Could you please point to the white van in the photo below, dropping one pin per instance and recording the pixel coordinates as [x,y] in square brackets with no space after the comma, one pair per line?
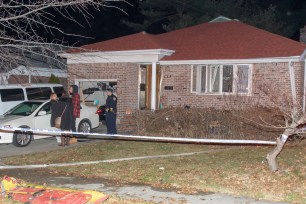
[13,94]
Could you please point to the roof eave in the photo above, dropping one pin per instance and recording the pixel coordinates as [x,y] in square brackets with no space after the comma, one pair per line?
[165,52]
[147,55]
[233,61]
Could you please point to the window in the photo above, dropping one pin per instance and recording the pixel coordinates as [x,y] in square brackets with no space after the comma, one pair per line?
[213,73]
[227,78]
[221,79]
[46,108]
[12,95]
[24,109]
[38,93]
[242,78]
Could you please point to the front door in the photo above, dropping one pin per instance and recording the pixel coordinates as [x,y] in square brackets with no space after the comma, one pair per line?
[146,85]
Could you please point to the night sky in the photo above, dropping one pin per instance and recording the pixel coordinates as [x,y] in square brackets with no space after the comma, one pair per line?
[107,23]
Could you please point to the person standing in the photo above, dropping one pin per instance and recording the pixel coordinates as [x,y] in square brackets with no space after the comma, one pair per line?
[111,110]
[68,117]
[61,108]
[76,107]
[55,112]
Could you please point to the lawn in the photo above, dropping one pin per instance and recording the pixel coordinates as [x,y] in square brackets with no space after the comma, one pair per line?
[233,170]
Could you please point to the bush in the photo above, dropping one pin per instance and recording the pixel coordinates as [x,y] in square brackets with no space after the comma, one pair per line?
[210,123]
[54,79]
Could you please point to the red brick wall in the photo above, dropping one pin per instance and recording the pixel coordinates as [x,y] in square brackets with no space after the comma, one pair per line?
[179,76]
[125,73]
[278,74]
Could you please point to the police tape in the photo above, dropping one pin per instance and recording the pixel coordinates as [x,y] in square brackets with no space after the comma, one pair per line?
[55,133]
[36,166]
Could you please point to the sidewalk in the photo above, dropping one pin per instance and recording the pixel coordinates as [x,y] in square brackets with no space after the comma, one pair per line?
[149,194]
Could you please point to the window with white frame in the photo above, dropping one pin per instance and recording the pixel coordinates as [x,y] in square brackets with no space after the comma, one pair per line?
[221,78]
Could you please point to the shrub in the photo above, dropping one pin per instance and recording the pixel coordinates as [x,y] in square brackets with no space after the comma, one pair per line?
[54,79]
[210,123]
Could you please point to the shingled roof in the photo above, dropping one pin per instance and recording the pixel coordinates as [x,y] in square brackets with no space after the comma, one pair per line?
[214,40]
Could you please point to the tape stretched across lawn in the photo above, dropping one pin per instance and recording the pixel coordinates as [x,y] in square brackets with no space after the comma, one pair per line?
[36,166]
[137,137]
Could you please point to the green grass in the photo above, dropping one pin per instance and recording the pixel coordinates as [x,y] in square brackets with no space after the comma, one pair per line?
[105,150]
[238,171]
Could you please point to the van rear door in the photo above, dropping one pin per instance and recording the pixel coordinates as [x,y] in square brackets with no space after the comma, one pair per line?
[9,98]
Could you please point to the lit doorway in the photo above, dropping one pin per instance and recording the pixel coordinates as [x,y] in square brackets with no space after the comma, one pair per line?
[146,85]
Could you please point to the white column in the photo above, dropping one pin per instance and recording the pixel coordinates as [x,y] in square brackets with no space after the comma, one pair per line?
[153,87]
[292,82]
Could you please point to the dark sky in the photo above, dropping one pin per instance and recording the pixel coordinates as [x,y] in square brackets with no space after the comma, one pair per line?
[104,24]
[107,23]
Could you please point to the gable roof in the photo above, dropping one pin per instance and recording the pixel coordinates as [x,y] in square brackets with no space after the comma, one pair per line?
[221,19]
[207,41]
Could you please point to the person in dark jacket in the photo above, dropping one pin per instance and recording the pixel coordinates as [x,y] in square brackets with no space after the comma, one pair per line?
[111,111]
[54,114]
[67,117]
[76,107]
[61,108]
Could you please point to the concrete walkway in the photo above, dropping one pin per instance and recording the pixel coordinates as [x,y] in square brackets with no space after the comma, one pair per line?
[150,194]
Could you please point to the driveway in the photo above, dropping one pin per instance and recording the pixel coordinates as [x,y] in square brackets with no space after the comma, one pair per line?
[42,145]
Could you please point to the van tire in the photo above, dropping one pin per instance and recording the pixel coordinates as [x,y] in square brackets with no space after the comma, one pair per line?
[22,138]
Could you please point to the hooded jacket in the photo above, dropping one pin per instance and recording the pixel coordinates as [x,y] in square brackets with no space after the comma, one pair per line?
[75,89]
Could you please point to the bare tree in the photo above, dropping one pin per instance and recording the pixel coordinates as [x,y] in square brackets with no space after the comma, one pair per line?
[293,118]
[21,24]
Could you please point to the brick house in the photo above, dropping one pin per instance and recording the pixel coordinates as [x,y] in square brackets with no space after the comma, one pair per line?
[194,66]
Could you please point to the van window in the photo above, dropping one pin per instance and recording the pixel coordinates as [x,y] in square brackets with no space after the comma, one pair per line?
[58,90]
[39,93]
[12,95]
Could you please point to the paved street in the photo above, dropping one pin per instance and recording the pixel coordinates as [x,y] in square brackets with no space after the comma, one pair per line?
[42,145]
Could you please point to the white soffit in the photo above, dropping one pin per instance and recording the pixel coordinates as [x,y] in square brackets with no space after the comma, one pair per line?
[232,61]
[135,56]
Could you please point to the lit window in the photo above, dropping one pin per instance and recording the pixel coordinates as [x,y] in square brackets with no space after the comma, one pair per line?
[221,78]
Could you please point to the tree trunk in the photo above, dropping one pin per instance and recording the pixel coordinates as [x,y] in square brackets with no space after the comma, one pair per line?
[271,156]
